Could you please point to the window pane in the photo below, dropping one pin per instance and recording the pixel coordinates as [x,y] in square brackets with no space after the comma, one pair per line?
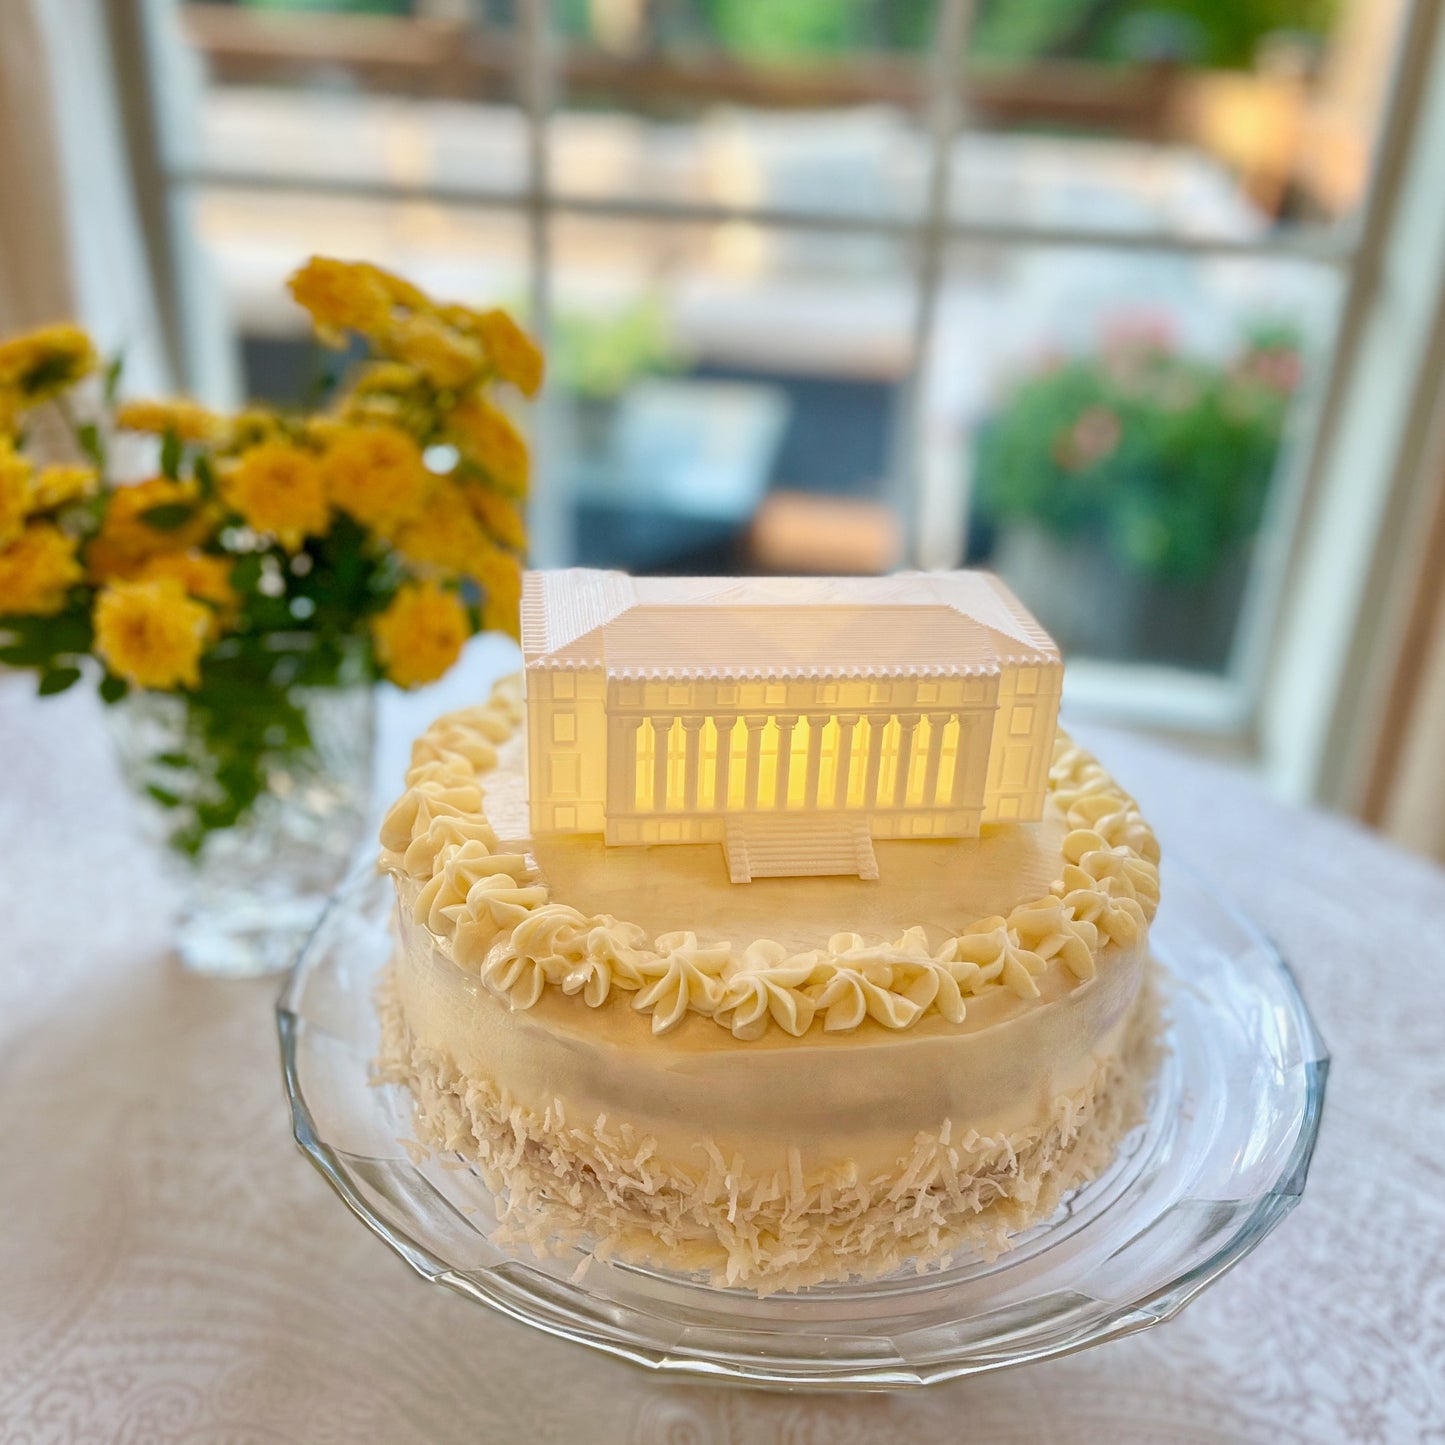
[1123,427]
[381,93]
[808,105]
[724,397]
[1222,119]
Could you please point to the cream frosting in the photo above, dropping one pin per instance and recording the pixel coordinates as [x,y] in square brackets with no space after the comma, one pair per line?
[774,1167]
[497,918]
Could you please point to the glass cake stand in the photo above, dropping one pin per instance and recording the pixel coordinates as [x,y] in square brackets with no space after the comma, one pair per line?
[1221,1159]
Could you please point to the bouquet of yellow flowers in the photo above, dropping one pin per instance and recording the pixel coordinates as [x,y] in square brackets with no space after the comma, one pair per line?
[270,551]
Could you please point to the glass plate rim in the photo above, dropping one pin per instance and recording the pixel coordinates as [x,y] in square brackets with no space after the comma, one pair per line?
[1150,1308]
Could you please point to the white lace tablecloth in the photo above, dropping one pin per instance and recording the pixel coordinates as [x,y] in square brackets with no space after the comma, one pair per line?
[172,1269]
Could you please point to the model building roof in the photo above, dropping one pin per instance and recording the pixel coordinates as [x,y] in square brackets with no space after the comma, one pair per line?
[914,623]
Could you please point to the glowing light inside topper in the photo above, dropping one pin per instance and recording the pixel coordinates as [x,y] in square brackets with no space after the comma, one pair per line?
[792,720]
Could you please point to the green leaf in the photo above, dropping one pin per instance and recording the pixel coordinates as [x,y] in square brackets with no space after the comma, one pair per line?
[173,760]
[168,516]
[112,377]
[57,679]
[171,451]
[163,797]
[88,435]
[112,688]
[247,572]
[205,475]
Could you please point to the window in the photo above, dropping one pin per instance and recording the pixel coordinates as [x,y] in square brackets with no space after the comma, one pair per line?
[1061,293]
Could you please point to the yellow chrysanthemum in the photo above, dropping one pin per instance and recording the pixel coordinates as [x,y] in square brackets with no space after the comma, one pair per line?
[203,576]
[398,289]
[385,378]
[125,540]
[485,434]
[420,635]
[376,475]
[513,354]
[17,491]
[447,358]
[373,408]
[150,633]
[187,420]
[36,571]
[341,295]
[500,574]
[278,489]
[59,485]
[43,363]
[498,514]
[445,534]
[249,428]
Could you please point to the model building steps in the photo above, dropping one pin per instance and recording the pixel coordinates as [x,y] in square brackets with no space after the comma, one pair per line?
[762,847]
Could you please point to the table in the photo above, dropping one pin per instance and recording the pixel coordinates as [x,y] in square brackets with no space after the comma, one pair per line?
[172,1269]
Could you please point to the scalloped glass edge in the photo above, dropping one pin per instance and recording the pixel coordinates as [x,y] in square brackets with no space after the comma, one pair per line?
[675,1333]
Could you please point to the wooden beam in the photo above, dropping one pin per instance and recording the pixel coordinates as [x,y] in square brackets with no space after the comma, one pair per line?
[442,58]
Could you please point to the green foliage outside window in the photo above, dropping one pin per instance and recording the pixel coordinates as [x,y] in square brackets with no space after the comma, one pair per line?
[1009,32]
[1163,459]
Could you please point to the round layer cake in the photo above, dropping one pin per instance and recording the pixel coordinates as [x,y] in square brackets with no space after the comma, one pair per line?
[776,1084]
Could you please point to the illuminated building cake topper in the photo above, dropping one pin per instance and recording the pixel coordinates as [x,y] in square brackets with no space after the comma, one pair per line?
[792,720]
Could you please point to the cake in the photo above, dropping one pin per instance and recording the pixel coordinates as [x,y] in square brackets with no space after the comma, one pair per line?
[769,931]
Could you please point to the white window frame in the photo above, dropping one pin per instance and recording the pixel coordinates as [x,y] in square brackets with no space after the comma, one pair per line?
[1284,669]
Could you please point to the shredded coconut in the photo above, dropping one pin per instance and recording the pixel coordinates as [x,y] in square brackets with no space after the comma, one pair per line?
[560,1185]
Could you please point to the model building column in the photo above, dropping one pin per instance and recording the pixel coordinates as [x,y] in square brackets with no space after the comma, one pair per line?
[937,721]
[961,762]
[661,733]
[724,727]
[691,727]
[785,759]
[877,724]
[755,726]
[815,761]
[846,723]
[907,725]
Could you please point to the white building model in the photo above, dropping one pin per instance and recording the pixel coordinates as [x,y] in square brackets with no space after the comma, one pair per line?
[792,720]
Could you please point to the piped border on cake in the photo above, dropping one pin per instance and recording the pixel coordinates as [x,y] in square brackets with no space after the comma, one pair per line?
[501,924]
[564,1184]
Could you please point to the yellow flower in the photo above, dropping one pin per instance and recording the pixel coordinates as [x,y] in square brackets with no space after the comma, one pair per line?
[36,571]
[249,427]
[485,433]
[369,408]
[44,362]
[513,354]
[376,475]
[202,575]
[277,488]
[342,295]
[447,358]
[17,491]
[187,420]
[58,485]
[385,378]
[398,290]
[499,515]
[445,534]
[150,633]
[125,540]
[420,635]
[500,574]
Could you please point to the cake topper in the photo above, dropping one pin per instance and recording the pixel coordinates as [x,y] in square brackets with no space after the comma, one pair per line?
[792,720]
